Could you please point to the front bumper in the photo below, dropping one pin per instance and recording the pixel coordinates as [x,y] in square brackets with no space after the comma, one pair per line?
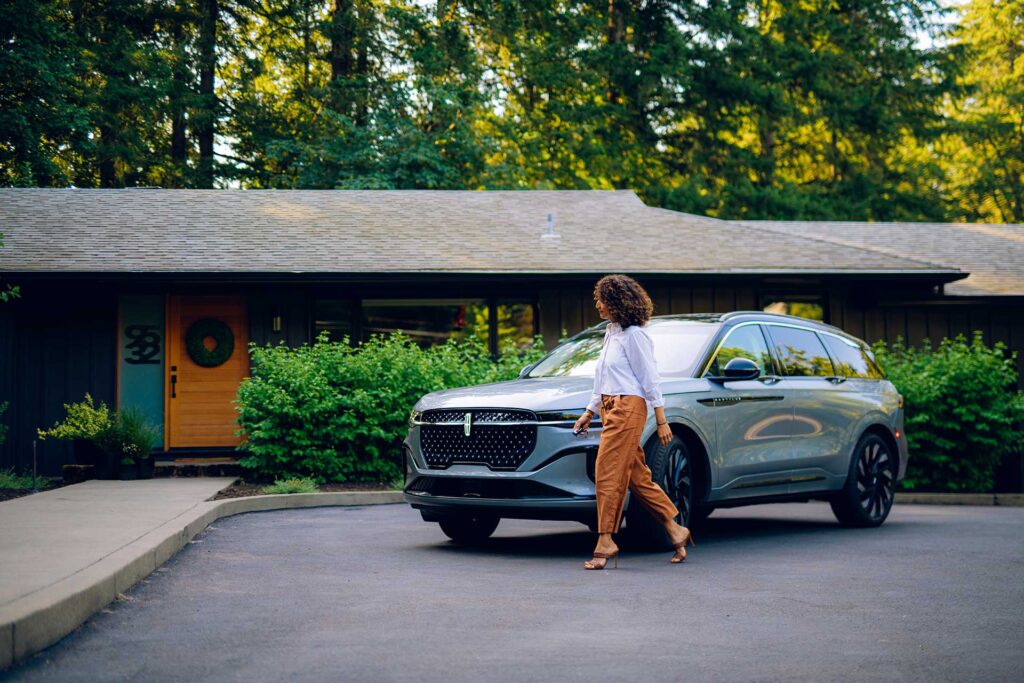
[554,482]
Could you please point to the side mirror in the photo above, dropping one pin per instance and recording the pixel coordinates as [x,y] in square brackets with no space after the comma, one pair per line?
[738,369]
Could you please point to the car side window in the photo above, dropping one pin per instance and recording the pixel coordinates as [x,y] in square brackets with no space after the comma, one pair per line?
[852,359]
[801,352]
[743,342]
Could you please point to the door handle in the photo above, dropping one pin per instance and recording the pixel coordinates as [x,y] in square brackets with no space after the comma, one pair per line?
[835,379]
[174,384]
[768,379]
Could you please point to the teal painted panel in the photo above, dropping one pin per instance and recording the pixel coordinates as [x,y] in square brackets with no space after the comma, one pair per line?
[141,354]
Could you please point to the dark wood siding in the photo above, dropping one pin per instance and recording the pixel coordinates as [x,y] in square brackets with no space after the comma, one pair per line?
[56,345]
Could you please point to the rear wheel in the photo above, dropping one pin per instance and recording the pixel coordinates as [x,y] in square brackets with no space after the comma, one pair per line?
[469,529]
[673,469]
[866,499]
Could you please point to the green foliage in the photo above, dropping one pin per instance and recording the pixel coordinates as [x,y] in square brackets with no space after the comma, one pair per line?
[294,485]
[963,410]
[128,435]
[84,420]
[125,433]
[9,479]
[337,413]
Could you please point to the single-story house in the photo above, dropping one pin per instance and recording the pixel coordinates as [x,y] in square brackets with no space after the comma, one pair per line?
[113,281]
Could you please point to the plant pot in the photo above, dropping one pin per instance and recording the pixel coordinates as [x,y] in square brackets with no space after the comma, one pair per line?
[86,452]
[127,472]
[145,468]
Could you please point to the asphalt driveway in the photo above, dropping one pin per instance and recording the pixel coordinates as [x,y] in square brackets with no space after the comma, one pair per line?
[374,594]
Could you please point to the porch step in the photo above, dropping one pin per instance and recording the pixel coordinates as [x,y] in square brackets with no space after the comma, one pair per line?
[198,467]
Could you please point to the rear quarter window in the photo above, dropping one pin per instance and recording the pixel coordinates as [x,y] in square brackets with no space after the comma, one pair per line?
[801,352]
[852,359]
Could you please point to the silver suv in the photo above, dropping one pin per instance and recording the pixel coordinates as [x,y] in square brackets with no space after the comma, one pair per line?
[763,407]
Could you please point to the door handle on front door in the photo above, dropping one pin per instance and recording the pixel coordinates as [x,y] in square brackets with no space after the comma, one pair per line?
[174,381]
[835,379]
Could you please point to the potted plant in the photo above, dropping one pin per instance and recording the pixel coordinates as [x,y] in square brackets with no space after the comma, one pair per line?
[83,423]
[129,439]
[117,444]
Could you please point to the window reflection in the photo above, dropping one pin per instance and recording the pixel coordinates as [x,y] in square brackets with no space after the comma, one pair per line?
[427,322]
[515,325]
[743,342]
[853,359]
[801,352]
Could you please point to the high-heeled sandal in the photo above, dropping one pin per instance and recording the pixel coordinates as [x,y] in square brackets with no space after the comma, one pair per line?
[681,546]
[589,564]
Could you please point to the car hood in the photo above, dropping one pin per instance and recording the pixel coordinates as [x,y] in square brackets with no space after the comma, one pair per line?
[538,393]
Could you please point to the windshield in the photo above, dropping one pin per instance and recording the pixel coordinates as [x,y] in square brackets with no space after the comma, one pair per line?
[677,349]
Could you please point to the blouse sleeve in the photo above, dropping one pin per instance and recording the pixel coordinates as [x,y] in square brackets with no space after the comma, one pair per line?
[640,354]
[595,398]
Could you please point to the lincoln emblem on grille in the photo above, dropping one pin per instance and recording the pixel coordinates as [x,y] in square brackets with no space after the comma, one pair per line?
[467,424]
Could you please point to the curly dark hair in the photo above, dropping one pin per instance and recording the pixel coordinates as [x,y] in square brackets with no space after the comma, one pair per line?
[627,302]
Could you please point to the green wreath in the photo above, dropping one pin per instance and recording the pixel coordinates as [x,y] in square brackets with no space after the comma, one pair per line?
[221,333]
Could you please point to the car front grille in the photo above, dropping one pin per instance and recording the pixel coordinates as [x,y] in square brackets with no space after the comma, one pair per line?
[492,440]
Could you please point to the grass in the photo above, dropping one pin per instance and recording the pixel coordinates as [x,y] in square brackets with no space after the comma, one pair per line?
[9,479]
[291,486]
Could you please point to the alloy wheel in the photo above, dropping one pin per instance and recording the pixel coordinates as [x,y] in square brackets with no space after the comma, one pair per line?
[679,483]
[875,479]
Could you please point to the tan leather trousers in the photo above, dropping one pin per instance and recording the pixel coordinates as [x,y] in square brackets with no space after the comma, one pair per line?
[620,463]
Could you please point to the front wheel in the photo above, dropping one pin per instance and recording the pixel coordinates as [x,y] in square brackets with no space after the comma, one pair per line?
[674,470]
[469,529]
[867,497]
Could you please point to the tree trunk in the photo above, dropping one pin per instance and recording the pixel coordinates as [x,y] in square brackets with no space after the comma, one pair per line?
[205,125]
[342,32]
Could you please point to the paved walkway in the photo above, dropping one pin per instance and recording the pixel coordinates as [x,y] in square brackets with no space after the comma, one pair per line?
[56,545]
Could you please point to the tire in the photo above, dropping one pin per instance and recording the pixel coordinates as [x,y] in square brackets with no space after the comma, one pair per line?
[469,529]
[867,496]
[674,470]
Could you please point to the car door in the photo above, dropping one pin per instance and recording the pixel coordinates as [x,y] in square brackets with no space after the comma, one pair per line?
[752,419]
[822,408]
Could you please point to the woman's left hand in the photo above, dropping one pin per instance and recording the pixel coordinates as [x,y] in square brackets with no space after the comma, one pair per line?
[664,434]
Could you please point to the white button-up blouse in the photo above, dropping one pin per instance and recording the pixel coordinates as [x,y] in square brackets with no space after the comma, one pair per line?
[626,366]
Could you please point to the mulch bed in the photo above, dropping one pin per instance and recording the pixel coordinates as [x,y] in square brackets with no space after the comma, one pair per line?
[244,490]
[10,494]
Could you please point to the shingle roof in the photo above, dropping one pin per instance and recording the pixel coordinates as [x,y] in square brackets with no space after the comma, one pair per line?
[334,231]
[993,254]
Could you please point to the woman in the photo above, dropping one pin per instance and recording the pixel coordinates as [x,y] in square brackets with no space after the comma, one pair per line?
[625,383]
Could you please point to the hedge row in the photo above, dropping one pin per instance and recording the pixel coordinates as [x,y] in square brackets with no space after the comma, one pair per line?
[335,413]
[963,411]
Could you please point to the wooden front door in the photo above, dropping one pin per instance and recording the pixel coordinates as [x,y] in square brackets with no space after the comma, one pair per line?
[200,412]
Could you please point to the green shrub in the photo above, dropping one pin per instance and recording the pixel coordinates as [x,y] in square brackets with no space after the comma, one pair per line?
[337,413]
[9,479]
[962,410]
[125,434]
[128,435]
[304,485]
[84,420]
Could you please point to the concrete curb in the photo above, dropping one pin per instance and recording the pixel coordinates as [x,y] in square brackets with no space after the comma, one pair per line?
[1004,499]
[39,620]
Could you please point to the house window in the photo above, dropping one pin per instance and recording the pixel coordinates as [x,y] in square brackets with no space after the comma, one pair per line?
[810,307]
[497,323]
[427,321]
[334,316]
